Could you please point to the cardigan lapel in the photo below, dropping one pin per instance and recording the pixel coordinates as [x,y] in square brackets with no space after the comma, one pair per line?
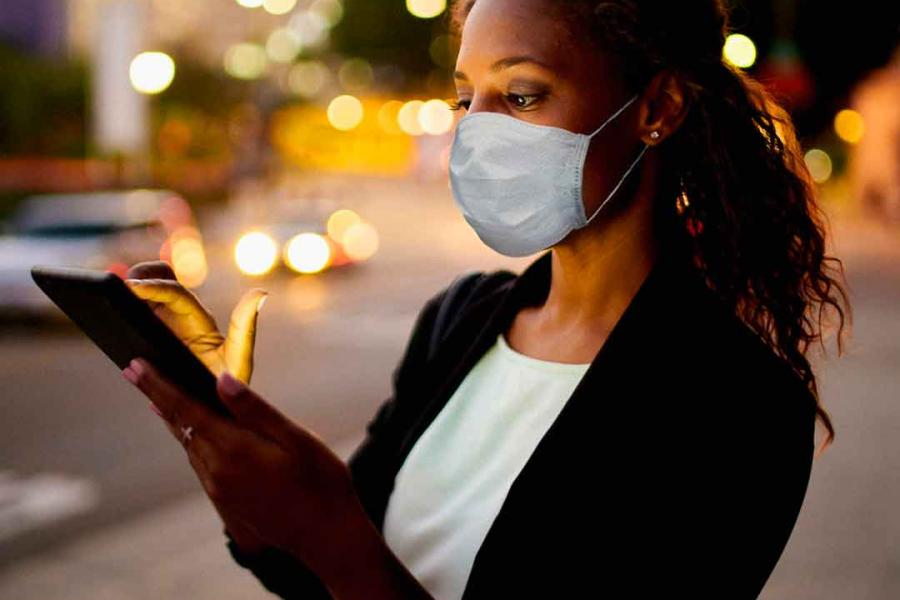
[484,319]
[579,456]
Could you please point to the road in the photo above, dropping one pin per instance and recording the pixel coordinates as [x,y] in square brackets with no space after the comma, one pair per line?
[326,347]
[87,443]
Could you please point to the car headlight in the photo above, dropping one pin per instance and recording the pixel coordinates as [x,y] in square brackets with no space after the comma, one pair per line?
[256,253]
[307,253]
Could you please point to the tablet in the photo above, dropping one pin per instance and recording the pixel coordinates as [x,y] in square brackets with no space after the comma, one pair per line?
[125,327]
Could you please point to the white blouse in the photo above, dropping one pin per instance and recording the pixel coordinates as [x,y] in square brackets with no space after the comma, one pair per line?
[456,476]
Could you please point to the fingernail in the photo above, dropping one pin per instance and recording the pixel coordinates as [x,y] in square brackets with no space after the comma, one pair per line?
[262,301]
[137,367]
[230,385]
[155,409]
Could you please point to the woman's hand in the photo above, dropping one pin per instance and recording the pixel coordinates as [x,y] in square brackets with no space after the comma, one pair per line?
[182,311]
[262,471]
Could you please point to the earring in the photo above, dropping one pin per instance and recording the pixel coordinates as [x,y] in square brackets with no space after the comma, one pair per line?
[654,135]
[692,222]
[682,202]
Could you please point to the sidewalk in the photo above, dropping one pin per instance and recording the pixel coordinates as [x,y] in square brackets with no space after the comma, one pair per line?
[176,552]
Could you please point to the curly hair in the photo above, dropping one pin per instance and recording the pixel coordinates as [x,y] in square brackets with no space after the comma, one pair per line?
[736,196]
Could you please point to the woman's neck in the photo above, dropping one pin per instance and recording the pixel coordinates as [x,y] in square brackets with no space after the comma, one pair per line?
[597,270]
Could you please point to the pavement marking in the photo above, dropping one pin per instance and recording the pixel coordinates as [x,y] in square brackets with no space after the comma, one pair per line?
[31,502]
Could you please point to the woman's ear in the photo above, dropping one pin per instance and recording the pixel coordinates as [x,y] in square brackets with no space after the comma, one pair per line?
[665,108]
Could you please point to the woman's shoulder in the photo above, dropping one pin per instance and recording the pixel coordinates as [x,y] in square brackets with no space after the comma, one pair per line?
[738,363]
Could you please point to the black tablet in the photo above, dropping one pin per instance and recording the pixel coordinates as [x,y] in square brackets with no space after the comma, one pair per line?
[125,327]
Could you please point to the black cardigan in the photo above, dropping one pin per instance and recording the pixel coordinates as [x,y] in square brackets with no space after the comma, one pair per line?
[677,467]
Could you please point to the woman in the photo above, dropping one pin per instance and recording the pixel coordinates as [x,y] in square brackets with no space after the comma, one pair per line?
[634,411]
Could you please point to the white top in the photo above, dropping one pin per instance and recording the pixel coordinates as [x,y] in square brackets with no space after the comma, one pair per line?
[456,476]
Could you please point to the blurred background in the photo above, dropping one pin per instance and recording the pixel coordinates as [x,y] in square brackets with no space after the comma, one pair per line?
[302,146]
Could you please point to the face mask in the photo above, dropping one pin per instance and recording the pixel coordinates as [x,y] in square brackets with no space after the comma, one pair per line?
[519,184]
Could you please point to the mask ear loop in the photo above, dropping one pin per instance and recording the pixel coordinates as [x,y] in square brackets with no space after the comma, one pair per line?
[618,185]
[625,176]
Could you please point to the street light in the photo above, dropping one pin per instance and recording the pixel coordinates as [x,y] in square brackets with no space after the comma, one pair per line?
[151,72]
[426,9]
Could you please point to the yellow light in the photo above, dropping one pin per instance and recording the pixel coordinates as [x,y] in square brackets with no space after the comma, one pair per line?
[250,3]
[355,75]
[330,11]
[245,61]
[388,116]
[339,222]
[435,117]
[308,78]
[819,164]
[408,117]
[739,50]
[307,253]
[312,27]
[151,72]
[279,7]
[188,257]
[255,253]
[849,126]
[345,112]
[360,241]
[283,45]
[426,9]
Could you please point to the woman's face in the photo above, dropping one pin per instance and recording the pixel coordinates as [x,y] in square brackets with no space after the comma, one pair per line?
[518,58]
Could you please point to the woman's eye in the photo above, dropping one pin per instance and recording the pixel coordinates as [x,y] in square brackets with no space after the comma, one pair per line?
[458,104]
[522,100]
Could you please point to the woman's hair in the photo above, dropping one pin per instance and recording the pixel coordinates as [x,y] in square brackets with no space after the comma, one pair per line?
[737,199]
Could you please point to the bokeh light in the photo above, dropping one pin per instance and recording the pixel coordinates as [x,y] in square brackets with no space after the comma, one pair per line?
[355,75]
[279,7]
[388,116]
[256,253]
[849,126]
[246,61]
[345,112]
[739,50]
[308,78]
[435,117]
[188,257]
[443,51]
[339,222]
[151,72]
[283,45]
[330,11]
[408,117]
[250,3]
[311,26]
[360,241]
[426,9]
[819,164]
[307,253]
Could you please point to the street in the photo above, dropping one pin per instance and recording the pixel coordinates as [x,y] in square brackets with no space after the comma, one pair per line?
[326,347]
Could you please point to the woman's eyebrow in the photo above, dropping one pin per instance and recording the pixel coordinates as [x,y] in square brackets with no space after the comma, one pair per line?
[505,63]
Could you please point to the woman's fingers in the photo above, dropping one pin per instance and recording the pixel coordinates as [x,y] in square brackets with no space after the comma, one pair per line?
[194,458]
[180,410]
[193,319]
[241,337]
[151,269]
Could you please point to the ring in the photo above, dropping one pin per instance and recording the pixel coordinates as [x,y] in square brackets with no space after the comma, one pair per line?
[186,434]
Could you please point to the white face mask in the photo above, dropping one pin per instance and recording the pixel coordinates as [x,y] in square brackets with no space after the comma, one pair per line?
[519,185]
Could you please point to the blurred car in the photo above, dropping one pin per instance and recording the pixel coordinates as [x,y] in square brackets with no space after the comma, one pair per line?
[98,230]
[305,237]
